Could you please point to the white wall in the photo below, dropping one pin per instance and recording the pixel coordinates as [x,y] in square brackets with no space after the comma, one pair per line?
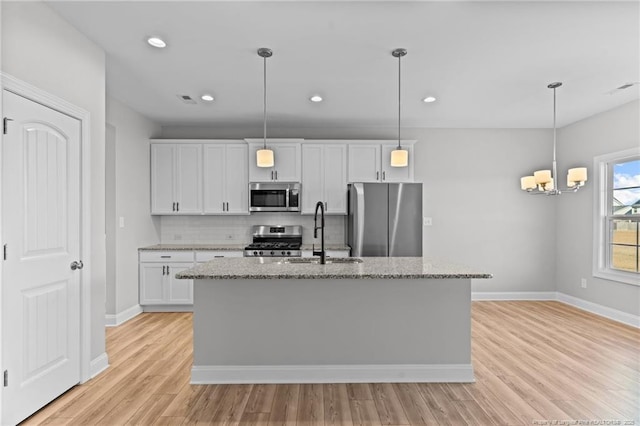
[40,48]
[578,144]
[481,218]
[131,180]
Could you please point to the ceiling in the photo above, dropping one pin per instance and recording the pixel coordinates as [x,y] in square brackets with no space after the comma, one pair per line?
[487,63]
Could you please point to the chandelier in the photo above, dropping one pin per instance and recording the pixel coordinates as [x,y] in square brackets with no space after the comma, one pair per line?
[545,181]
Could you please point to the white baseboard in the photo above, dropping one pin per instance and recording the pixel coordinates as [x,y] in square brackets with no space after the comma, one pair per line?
[604,311]
[98,365]
[594,308]
[514,295]
[167,308]
[422,373]
[122,317]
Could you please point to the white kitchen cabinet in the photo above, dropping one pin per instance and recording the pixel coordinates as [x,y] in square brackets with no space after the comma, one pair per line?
[371,162]
[324,177]
[226,184]
[158,285]
[176,179]
[364,162]
[287,161]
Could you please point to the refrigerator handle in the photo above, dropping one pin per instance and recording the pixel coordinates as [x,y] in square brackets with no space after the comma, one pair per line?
[359,218]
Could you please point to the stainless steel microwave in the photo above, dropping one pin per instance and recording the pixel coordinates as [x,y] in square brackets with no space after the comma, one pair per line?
[274,197]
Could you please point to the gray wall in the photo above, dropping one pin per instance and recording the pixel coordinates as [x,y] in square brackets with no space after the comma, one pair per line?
[579,143]
[40,48]
[131,181]
[472,192]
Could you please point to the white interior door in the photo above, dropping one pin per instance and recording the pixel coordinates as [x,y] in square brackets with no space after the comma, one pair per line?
[41,230]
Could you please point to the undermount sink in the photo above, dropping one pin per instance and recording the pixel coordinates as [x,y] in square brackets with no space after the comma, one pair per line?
[316,260]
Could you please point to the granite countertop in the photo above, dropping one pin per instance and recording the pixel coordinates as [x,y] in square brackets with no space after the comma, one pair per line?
[224,247]
[371,267]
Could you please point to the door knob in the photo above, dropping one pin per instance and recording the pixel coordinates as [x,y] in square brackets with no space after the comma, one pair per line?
[77,264]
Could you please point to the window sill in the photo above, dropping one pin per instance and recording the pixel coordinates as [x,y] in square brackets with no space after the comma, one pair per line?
[618,276]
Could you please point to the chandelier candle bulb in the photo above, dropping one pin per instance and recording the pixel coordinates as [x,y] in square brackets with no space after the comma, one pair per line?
[542,176]
[527,183]
[549,185]
[577,175]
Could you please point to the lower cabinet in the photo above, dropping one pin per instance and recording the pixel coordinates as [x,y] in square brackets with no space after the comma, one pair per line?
[159,288]
[158,284]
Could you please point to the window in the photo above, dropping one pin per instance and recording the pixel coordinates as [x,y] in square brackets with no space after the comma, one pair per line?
[617,222]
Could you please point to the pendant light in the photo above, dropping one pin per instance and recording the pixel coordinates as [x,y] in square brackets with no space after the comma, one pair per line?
[545,181]
[264,156]
[399,156]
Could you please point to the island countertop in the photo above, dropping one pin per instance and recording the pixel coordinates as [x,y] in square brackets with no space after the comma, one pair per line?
[223,247]
[370,268]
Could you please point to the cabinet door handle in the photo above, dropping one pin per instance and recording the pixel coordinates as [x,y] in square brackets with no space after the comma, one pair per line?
[271,174]
[276,175]
[384,175]
[377,175]
[227,206]
[163,273]
[223,203]
[174,207]
[177,209]
[325,206]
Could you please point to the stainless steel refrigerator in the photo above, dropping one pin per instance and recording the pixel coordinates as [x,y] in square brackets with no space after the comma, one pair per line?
[385,219]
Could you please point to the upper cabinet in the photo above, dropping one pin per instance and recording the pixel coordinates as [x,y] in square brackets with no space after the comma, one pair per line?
[176,178]
[211,177]
[286,154]
[324,177]
[371,162]
[226,178]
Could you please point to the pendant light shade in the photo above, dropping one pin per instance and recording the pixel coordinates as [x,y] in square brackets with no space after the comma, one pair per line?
[264,156]
[545,181]
[399,156]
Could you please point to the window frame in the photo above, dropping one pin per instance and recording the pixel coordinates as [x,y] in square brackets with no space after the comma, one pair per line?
[603,218]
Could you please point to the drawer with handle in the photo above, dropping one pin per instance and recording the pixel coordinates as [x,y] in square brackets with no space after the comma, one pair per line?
[166,256]
[204,256]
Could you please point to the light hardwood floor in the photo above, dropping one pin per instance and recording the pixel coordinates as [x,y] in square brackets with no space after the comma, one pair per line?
[534,362]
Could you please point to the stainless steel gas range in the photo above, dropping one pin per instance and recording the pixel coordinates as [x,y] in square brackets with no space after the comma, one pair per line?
[275,241]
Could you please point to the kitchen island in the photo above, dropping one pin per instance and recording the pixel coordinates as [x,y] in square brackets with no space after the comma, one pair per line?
[262,320]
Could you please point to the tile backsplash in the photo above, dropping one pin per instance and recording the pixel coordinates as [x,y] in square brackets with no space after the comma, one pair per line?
[237,229]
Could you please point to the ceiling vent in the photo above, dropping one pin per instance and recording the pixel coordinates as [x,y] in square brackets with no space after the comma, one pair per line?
[187,99]
[623,87]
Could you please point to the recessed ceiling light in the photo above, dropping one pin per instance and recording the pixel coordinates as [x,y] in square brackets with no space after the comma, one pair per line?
[207,98]
[316,98]
[156,42]
[429,99]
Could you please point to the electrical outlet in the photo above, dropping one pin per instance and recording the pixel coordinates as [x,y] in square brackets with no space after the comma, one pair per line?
[583,283]
[427,221]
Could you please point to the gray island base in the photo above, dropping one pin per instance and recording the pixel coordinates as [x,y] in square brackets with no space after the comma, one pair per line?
[383,320]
